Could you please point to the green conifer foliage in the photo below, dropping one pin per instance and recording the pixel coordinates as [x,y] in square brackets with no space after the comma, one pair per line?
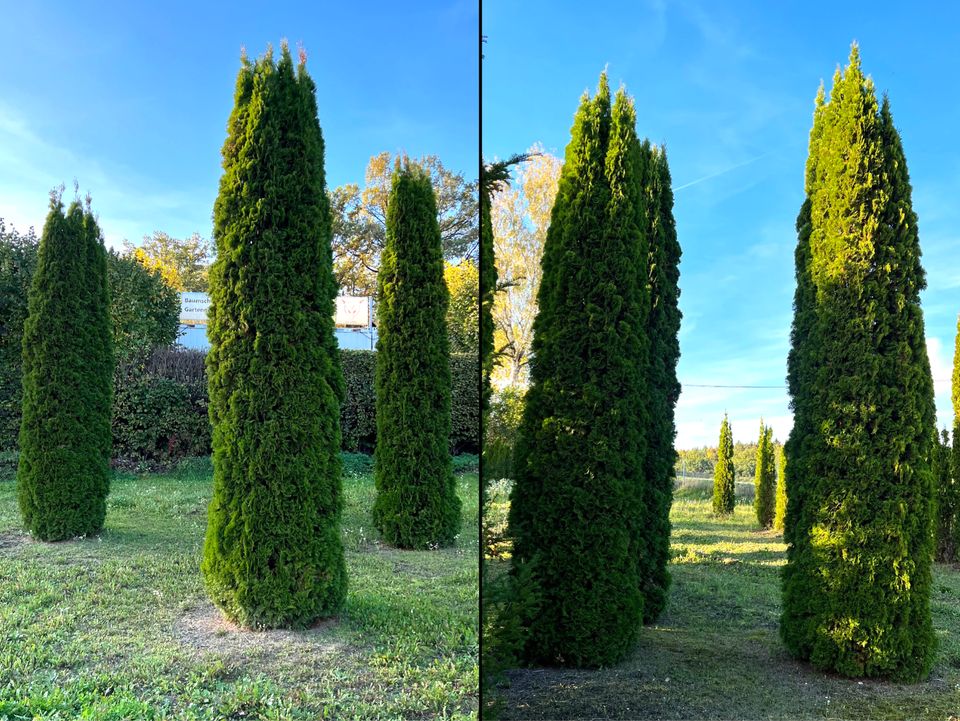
[946,526]
[764,479]
[860,508]
[662,328]
[948,486]
[63,476]
[488,286]
[574,508]
[724,474]
[273,555]
[780,503]
[417,504]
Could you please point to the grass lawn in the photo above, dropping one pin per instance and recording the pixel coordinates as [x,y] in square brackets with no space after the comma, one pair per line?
[715,653]
[119,627]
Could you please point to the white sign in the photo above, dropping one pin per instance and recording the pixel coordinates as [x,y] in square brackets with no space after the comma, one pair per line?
[193,308]
[352,311]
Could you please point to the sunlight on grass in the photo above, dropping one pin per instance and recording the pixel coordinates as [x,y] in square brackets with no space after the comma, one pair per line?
[716,652]
[119,627]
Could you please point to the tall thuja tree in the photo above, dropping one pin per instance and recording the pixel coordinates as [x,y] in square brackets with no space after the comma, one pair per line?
[780,501]
[724,475]
[63,476]
[857,580]
[946,493]
[273,555]
[948,490]
[573,505]
[764,478]
[661,270]
[417,504]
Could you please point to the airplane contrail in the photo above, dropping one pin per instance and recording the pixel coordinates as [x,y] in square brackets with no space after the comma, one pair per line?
[721,172]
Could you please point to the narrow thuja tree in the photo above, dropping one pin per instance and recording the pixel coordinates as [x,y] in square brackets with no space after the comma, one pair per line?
[273,554]
[780,503]
[417,504]
[764,479]
[860,509]
[724,474]
[662,271]
[574,506]
[946,545]
[63,476]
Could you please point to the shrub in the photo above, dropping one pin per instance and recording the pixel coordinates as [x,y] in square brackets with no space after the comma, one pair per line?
[273,554]
[358,413]
[63,474]
[160,408]
[18,259]
[503,423]
[417,504]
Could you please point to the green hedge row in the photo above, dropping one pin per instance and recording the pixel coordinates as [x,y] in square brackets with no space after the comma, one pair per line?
[160,405]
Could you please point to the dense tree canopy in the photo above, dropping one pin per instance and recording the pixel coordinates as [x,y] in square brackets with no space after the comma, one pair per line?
[360,220]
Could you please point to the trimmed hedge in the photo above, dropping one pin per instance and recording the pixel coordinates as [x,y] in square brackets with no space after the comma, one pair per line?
[358,419]
[160,405]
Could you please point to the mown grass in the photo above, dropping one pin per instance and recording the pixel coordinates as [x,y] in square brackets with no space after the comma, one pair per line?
[715,653]
[118,626]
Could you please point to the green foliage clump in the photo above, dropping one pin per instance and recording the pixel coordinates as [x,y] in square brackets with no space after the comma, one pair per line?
[860,510]
[273,554]
[18,259]
[417,504]
[764,480]
[463,322]
[947,526]
[576,514]
[662,273]
[780,502]
[160,409]
[144,310]
[724,474]
[63,476]
[500,436]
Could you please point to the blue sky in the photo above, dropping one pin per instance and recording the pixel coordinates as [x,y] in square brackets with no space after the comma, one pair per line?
[729,88]
[132,98]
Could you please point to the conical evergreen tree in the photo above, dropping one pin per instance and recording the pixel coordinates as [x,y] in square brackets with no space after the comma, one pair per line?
[780,503]
[764,479]
[860,508]
[946,543]
[724,474]
[663,326]
[63,476]
[273,555]
[417,504]
[948,485]
[573,514]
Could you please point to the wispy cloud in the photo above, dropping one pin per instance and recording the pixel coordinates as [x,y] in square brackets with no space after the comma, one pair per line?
[718,173]
[128,203]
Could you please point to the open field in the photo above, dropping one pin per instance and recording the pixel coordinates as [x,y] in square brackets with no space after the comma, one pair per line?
[119,626]
[716,654]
